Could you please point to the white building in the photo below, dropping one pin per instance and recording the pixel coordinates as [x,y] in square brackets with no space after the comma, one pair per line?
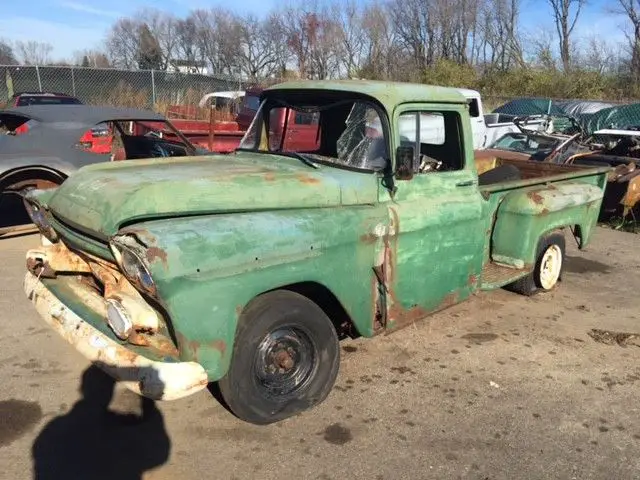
[187,66]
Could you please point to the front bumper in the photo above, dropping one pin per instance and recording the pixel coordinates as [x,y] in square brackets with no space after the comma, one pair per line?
[158,380]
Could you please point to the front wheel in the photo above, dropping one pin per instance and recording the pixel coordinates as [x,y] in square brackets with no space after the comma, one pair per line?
[547,271]
[285,358]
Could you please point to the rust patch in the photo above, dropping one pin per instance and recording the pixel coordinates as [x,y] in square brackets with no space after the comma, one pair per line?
[306,179]
[402,318]
[368,238]
[154,253]
[384,272]
[472,280]
[536,197]
[269,177]
[239,310]
[544,211]
[220,346]
[190,347]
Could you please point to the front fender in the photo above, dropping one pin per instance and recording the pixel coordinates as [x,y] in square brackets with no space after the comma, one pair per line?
[526,215]
[207,269]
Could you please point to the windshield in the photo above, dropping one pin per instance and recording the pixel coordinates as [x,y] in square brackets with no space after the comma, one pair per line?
[525,143]
[340,132]
[47,100]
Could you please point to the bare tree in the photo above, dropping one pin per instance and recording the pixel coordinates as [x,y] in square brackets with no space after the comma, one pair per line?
[561,10]
[353,36]
[300,28]
[414,24]
[163,27]
[599,56]
[498,43]
[631,8]
[382,54]
[91,58]
[261,46]
[34,53]
[123,43]
[542,50]
[7,57]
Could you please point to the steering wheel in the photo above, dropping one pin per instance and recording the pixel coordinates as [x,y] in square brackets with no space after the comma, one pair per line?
[158,151]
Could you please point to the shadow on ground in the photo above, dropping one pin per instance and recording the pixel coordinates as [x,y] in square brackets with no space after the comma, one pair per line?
[92,441]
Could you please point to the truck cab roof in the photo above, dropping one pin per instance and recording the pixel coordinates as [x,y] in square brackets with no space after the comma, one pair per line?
[389,94]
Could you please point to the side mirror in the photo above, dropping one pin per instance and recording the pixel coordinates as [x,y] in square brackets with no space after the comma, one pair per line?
[474,108]
[404,162]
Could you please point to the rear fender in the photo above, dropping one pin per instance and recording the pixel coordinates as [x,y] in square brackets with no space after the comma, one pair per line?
[524,216]
[38,177]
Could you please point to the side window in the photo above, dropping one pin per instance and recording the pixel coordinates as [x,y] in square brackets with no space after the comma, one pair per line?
[303,118]
[436,138]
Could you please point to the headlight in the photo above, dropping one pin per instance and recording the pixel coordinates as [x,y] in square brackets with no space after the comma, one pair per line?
[133,267]
[118,319]
[39,218]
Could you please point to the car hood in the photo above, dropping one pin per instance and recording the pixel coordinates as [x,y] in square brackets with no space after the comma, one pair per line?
[101,198]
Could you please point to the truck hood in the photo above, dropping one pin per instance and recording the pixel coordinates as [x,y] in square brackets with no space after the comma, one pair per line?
[101,198]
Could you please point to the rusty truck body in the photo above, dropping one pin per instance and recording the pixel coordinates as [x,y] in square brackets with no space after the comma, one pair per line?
[246,269]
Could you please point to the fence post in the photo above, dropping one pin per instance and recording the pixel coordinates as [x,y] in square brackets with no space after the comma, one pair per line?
[73,82]
[39,80]
[153,89]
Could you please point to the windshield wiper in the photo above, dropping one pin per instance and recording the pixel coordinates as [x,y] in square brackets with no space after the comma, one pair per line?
[300,157]
[296,155]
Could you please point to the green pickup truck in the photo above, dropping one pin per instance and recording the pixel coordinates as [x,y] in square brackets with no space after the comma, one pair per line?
[247,269]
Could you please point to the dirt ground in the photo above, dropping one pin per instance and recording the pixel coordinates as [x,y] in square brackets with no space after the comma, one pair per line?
[500,387]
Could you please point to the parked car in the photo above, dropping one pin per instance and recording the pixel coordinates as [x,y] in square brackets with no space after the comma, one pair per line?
[42,145]
[617,150]
[246,269]
[96,137]
[25,99]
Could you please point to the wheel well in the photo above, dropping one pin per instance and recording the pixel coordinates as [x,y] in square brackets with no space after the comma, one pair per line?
[329,303]
[32,174]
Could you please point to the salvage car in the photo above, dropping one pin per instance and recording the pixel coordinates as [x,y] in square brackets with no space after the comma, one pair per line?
[616,149]
[42,145]
[246,269]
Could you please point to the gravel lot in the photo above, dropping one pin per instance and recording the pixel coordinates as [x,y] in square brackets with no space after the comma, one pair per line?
[500,387]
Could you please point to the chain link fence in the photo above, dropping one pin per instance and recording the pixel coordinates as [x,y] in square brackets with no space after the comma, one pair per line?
[159,90]
[152,89]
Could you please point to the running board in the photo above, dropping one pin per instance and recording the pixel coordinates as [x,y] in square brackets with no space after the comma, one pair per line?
[495,276]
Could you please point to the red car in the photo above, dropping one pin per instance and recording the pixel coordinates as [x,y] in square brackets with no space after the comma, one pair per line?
[96,140]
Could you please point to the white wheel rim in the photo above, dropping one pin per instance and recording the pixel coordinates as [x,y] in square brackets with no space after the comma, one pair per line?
[550,267]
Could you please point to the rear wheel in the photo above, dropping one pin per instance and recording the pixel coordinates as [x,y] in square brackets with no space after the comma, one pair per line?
[547,271]
[285,358]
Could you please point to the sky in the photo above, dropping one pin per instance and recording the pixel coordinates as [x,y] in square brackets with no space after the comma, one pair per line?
[75,25]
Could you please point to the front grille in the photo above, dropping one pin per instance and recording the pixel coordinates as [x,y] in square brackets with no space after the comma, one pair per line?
[80,240]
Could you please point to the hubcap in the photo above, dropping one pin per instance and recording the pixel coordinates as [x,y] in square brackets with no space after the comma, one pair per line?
[285,361]
[550,267]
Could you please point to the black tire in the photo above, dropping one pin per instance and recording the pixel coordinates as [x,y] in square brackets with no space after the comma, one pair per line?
[271,380]
[503,173]
[531,284]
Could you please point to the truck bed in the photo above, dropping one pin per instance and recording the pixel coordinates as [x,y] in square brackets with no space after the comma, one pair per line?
[533,172]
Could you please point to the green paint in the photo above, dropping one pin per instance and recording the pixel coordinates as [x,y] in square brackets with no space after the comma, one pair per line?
[224,229]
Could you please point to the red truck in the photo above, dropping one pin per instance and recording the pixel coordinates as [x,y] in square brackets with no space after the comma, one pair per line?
[223,135]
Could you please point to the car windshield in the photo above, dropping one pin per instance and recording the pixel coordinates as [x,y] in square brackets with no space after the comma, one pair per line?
[24,101]
[335,131]
[525,143]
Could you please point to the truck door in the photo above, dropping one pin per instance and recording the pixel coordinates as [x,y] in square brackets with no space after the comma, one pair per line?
[436,218]
[302,131]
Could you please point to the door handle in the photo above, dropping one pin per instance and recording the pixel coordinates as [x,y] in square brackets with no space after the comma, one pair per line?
[465,183]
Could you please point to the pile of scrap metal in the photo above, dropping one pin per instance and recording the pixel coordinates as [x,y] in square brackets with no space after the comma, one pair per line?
[618,149]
